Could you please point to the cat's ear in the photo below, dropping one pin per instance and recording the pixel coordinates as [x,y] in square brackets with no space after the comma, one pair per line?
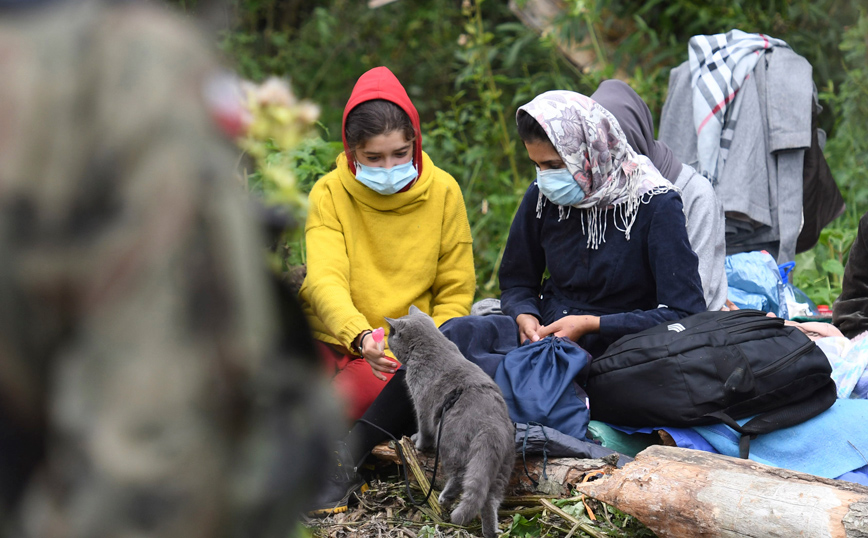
[414,309]
[391,323]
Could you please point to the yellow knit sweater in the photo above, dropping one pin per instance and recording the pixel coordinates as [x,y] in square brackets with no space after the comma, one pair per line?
[371,256]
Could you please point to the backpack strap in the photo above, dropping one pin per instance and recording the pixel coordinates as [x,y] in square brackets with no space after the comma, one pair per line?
[819,399]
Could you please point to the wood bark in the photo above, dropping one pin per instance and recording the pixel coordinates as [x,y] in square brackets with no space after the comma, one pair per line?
[678,492]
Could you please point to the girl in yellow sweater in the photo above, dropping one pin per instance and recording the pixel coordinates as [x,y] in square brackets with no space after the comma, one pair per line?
[386,229]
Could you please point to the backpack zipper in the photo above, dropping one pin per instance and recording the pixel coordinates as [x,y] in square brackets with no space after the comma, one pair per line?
[732,329]
[772,323]
[786,360]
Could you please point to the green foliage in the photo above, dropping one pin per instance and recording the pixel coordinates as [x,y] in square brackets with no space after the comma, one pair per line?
[427,531]
[522,527]
[308,161]
[630,526]
[300,531]
[324,46]
[501,66]
[643,39]
[313,158]
[818,272]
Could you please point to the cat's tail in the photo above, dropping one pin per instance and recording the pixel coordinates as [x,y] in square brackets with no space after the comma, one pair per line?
[482,468]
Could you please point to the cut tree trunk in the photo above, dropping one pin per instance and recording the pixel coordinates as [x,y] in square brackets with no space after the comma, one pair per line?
[677,492]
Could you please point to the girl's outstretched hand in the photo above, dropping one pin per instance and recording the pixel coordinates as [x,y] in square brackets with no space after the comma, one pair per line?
[373,350]
[572,327]
[528,327]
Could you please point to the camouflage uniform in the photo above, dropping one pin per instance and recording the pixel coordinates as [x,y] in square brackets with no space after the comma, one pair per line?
[141,373]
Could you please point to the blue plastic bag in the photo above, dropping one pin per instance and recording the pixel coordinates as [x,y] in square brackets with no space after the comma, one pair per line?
[754,281]
[541,383]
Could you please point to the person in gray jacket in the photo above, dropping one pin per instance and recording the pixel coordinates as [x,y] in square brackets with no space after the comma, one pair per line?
[705,222]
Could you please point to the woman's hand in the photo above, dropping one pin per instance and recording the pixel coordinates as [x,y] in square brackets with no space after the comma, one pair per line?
[374,353]
[528,327]
[572,327]
[815,329]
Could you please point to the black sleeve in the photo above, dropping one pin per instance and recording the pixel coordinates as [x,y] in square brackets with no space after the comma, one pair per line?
[850,311]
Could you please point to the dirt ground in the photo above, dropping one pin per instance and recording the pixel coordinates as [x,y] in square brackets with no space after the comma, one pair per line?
[385,511]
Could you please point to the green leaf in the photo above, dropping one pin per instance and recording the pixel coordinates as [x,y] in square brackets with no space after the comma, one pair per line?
[522,527]
[833,266]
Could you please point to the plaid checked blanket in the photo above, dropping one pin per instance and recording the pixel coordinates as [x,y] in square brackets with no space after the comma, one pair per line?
[719,66]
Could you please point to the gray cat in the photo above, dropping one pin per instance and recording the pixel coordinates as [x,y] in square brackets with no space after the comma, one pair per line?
[477,449]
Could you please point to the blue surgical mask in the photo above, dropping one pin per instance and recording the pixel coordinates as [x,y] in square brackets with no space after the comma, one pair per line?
[386,180]
[559,186]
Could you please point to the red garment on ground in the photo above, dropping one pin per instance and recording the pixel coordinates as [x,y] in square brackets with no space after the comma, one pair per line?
[352,379]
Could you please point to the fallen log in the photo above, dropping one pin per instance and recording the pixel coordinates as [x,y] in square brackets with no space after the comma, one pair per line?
[559,477]
[677,492]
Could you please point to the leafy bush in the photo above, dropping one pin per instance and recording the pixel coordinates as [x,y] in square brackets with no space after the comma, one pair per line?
[819,271]
[645,38]
[501,66]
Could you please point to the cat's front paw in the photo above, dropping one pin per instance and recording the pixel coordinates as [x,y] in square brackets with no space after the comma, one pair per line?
[419,440]
[446,500]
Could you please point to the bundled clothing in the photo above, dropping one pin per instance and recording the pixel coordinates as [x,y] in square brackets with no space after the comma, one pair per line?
[719,66]
[371,255]
[757,161]
[705,220]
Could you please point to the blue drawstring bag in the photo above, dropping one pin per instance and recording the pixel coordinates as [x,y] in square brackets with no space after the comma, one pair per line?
[541,382]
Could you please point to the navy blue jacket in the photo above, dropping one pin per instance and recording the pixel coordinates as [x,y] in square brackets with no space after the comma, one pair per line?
[632,285]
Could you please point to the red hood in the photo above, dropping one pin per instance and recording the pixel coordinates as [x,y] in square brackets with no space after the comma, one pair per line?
[380,83]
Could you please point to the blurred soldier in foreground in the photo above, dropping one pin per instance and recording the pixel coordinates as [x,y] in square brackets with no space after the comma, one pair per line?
[145,387]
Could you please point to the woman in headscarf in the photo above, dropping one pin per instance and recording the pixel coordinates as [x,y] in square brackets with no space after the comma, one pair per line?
[606,226]
[705,221]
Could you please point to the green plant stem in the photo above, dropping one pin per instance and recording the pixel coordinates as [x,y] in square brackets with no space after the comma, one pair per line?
[496,268]
[598,50]
[489,81]
[525,512]
[572,531]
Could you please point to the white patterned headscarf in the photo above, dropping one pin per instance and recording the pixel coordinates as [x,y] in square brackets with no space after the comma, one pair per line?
[595,151]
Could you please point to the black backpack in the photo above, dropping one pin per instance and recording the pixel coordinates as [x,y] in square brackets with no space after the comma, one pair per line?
[709,368]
